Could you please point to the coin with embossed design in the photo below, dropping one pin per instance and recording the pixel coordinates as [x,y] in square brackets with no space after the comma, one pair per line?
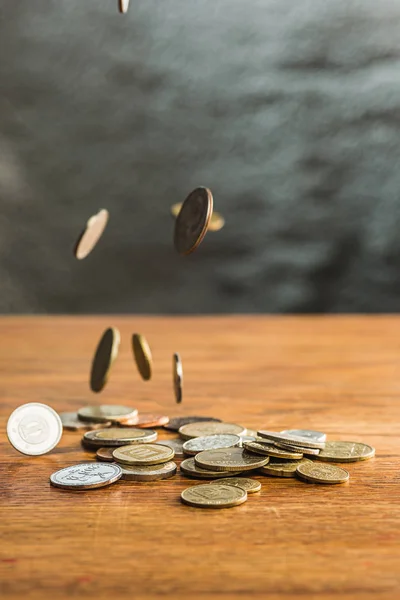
[119,436]
[91,234]
[143,454]
[250,485]
[282,468]
[269,450]
[189,468]
[105,355]
[86,476]
[34,428]
[229,459]
[213,495]
[148,472]
[193,220]
[196,445]
[345,452]
[193,430]
[317,473]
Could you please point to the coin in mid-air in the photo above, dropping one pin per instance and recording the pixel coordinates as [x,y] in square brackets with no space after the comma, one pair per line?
[290,448]
[229,459]
[345,452]
[142,355]
[105,454]
[91,234]
[34,429]
[71,421]
[106,412]
[175,444]
[290,439]
[250,485]
[177,376]
[146,420]
[188,467]
[208,442]
[177,422]
[317,473]
[148,472]
[86,476]
[193,430]
[193,220]
[106,353]
[213,495]
[123,6]
[269,450]
[217,221]
[143,454]
[308,434]
[282,468]
[119,436]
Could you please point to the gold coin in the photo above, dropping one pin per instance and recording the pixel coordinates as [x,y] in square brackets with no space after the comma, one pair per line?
[177,374]
[316,473]
[106,412]
[291,439]
[305,451]
[91,234]
[283,468]
[123,6]
[142,355]
[203,428]
[143,454]
[269,450]
[345,452]
[148,472]
[229,459]
[119,436]
[217,221]
[250,485]
[212,495]
[189,468]
[193,220]
[106,353]
[71,422]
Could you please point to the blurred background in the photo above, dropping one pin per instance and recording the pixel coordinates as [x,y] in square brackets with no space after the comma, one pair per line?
[288,111]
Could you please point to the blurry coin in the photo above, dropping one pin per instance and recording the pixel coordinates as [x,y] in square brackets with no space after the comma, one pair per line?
[91,234]
[193,430]
[250,485]
[290,448]
[120,436]
[123,6]
[229,459]
[308,434]
[71,422]
[34,429]
[193,220]
[143,454]
[105,454]
[317,473]
[213,496]
[177,375]
[176,423]
[251,433]
[345,452]
[217,221]
[86,476]
[146,420]
[106,412]
[148,473]
[195,445]
[106,353]
[188,467]
[290,439]
[246,438]
[282,468]
[269,450]
[175,444]
[142,355]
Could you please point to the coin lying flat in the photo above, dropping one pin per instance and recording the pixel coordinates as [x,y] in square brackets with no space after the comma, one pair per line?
[193,220]
[345,452]
[143,454]
[290,448]
[123,6]
[71,422]
[105,454]
[196,445]
[175,444]
[317,473]
[86,476]
[229,459]
[308,434]
[188,467]
[290,439]
[282,468]
[119,436]
[34,429]
[250,485]
[142,354]
[91,234]
[148,472]
[269,450]
[177,375]
[213,496]
[176,423]
[247,438]
[104,413]
[106,353]
[193,430]
[146,420]
[217,221]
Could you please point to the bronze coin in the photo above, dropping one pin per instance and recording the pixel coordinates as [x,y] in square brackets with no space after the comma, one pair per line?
[142,355]
[106,353]
[105,454]
[147,420]
[91,234]
[193,220]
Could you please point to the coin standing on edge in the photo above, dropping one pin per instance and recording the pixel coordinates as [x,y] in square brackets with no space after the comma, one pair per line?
[91,234]
[193,430]
[34,429]
[86,476]
[105,413]
[317,473]
[177,376]
[143,454]
[345,452]
[193,220]
[142,355]
[196,445]
[120,436]
[177,422]
[213,495]
[229,459]
[148,472]
[250,485]
[106,353]
[189,468]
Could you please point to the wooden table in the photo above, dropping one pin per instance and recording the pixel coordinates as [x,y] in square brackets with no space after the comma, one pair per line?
[136,540]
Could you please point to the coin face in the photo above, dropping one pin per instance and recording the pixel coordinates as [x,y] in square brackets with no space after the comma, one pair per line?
[317,473]
[34,429]
[71,422]
[91,234]
[176,423]
[250,485]
[149,472]
[213,496]
[105,454]
[177,375]
[176,445]
[86,476]
[120,436]
[196,445]
[345,452]
[290,448]
[142,354]
[123,6]
[290,439]
[146,420]
[106,353]
[269,450]
[307,434]
[189,468]
[217,221]
[143,454]
[282,468]
[193,430]
[106,412]
[229,459]
[193,220]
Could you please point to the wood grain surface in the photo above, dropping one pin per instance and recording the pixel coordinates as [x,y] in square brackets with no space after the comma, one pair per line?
[136,540]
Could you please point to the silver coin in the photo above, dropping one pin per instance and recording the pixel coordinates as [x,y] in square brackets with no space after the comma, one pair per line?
[176,445]
[34,429]
[247,438]
[71,422]
[148,472]
[120,436]
[86,476]
[123,6]
[293,440]
[105,413]
[209,442]
[307,434]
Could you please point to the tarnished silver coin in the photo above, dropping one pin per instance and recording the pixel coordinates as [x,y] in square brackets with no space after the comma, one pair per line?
[34,429]
[175,445]
[177,375]
[209,442]
[205,428]
[188,467]
[250,485]
[148,472]
[71,422]
[106,412]
[176,423]
[86,476]
[91,234]
[290,439]
[193,220]
[307,434]
[213,496]
[120,436]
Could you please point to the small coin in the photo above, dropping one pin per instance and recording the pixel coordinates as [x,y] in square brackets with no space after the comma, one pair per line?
[290,448]
[317,473]
[106,353]
[142,355]
[146,420]
[119,436]
[196,445]
[290,439]
[246,438]
[176,423]
[251,433]
[193,430]
[123,6]
[148,472]
[282,468]
[269,450]
[213,496]
[105,454]
[175,444]
[308,434]
[71,422]
[250,485]
[229,459]
[217,221]
[193,220]
[106,412]
[177,374]
[91,234]
[143,454]
[345,452]
[189,468]
[34,429]
[86,476]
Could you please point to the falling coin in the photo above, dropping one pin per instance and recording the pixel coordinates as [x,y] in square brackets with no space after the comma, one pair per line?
[91,234]
[189,468]
[282,468]
[317,473]
[176,423]
[143,454]
[106,353]
[250,485]
[142,355]
[177,374]
[34,428]
[193,430]
[193,220]
[229,459]
[290,439]
[269,450]
[86,476]
[196,445]
[308,434]
[148,473]
[105,454]
[345,452]
[71,422]
[213,496]
[217,221]
[120,436]
[123,6]
[106,412]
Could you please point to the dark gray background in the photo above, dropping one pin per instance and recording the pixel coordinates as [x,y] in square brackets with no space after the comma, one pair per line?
[288,110]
